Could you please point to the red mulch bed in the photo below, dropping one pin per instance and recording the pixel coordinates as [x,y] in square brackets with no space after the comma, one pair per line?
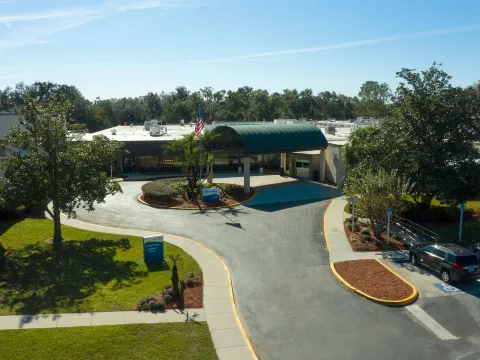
[192,299]
[374,244]
[374,279]
[180,202]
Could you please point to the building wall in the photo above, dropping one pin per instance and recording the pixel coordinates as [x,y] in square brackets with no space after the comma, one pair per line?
[335,168]
[313,159]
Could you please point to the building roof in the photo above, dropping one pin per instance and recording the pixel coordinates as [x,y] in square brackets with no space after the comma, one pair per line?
[264,139]
[137,133]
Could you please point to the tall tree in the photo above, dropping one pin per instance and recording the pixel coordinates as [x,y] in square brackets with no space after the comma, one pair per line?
[50,162]
[373,99]
[154,105]
[428,139]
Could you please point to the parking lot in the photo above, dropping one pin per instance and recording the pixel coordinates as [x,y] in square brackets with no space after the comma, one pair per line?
[429,283]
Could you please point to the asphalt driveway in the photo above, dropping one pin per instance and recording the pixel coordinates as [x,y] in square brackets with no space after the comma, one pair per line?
[290,304]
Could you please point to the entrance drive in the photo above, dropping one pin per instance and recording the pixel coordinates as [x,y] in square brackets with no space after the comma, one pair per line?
[302,168]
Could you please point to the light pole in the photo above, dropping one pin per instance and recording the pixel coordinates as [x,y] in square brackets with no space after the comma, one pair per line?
[354,202]
[462,208]
[389,213]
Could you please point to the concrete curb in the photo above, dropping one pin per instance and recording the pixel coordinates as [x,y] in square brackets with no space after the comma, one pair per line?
[231,342]
[196,208]
[394,303]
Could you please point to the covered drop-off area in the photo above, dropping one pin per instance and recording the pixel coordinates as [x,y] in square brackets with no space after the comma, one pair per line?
[301,147]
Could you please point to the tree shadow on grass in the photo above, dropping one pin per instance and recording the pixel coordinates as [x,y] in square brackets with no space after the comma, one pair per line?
[33,282]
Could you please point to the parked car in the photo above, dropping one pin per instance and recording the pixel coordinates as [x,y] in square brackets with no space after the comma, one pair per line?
[452,262]
[476,249]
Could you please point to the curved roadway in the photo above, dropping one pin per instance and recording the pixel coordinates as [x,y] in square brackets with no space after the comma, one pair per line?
[289,302]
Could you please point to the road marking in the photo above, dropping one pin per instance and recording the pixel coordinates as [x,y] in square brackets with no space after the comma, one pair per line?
[447,288]
[430,322]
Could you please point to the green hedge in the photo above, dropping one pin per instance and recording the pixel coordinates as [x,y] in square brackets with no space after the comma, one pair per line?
[159,190]
[438,213]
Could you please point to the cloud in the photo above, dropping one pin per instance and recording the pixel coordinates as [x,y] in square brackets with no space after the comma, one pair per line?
[53,15]
[345,45]
[149,4]
[8,25]
[15,76]
[49,23]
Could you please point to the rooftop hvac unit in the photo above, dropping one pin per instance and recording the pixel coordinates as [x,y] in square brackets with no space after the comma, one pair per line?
[147,125]
[114,131]
[154,122]
[155,131]
[330,129]
[182,122]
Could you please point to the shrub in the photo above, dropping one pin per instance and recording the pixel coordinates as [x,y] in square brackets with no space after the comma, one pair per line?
[192,280]
[175,279]
[436,213]
[366,237]
[365,231]
[348,221]
[182,284]
[356,227]
[148,303]
[170,291]
[396,237]
[158,191]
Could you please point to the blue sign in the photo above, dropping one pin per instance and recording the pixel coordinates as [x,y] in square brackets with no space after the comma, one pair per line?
[210,194]
[389,211]
[153,249]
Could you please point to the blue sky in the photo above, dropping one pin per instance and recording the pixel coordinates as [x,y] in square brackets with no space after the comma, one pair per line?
[127,47]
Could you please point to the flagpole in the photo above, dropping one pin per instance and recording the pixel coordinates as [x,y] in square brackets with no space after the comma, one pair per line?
[200,135]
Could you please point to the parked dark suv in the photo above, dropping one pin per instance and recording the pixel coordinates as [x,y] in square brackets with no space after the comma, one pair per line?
[452,262]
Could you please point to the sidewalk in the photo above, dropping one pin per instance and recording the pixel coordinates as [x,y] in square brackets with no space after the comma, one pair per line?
[43,321]
[226,329]
[338,246]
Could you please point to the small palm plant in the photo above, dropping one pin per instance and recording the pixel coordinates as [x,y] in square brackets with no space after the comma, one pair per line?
[175,279]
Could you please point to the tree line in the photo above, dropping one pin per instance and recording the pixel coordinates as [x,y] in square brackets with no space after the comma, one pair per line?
[243,104]
[425,150]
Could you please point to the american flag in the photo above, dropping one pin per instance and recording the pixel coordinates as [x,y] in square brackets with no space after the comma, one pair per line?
[199,125]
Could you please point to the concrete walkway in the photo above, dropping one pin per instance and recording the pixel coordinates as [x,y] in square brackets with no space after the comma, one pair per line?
[43,321]
[338,245]
[220,313]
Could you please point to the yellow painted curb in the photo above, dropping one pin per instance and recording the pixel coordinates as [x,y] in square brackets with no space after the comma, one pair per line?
[325,226]
[394,303]
[196,208]
[230,285]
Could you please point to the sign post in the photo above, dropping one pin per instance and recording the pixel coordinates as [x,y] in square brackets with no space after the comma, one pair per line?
[354,202]
[389,213]
[153,249]
[462,208]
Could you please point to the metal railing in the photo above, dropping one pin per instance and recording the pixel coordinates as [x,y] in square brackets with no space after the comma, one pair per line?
[412,232]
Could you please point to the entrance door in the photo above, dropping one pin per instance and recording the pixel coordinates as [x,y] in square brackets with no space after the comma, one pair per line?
[302,168]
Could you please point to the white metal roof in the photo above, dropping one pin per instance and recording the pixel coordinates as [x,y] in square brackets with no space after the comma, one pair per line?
[137,133]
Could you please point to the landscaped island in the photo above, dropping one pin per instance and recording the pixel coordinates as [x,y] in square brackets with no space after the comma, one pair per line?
[172,193]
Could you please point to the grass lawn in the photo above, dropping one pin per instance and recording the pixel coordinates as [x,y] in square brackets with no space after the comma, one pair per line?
[190,341]
[473,204]
[99,272]
[448,231]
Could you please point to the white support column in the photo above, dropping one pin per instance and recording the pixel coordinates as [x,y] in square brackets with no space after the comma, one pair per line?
[283,160]
[246,174]
[322,165]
